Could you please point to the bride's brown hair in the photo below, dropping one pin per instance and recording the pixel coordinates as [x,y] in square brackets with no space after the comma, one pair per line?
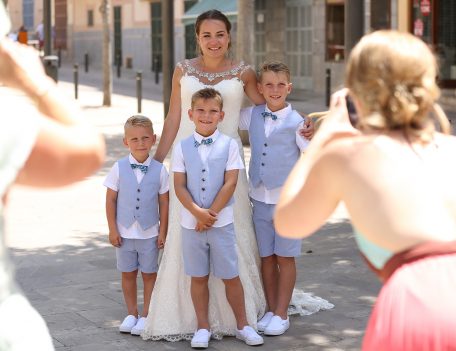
[393,75]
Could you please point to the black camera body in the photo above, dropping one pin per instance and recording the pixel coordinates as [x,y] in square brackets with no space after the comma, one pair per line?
[352,113]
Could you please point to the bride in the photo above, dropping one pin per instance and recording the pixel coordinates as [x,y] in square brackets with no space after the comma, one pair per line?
[171,316]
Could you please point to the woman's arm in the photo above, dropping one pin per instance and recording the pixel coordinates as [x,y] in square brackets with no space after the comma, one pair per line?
[66,149]
[250,87]
[172,120]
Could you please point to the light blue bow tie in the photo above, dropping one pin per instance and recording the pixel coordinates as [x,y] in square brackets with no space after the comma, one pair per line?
[266,114]
[142,168]
[207,141]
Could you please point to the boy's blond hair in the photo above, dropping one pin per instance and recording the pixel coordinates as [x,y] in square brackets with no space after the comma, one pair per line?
[206,94]
[138,121]
[273,66]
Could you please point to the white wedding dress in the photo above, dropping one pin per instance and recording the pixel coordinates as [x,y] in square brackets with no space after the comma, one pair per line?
[171,314]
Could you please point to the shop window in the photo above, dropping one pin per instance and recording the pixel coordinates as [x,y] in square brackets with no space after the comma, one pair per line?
[446,41]
[433,22]
[335,30]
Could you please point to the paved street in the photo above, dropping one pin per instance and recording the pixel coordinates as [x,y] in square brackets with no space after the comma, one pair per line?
[66,266]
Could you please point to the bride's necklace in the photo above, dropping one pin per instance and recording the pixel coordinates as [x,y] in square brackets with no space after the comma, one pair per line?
[210,76]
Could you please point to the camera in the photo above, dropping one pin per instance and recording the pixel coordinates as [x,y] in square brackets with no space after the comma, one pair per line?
[352,114]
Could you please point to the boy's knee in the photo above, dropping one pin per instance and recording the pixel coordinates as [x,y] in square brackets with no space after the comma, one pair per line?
[130,275]
[281,260]
[232,281]
[269,259]
[200,280]
[149,276]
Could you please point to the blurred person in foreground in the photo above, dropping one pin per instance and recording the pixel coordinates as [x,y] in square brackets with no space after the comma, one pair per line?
[395,174]
[53,147]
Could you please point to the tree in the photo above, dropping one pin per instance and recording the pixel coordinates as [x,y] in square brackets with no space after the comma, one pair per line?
[245,31]
[107,57]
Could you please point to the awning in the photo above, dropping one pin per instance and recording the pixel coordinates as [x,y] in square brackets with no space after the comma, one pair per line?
[228,7]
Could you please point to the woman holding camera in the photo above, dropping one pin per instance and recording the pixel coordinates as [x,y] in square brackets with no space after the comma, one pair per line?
[395,174]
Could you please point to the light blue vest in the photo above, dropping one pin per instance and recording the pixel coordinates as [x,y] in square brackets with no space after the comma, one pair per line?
[273,157]
[138,202]
[204,180]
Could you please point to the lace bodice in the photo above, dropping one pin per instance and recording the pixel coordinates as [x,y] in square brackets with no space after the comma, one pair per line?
[228,83]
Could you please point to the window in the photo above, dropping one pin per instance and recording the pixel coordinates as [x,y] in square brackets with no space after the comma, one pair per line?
[335,30]
[90,18]
[260,33]
[156,23]
[445,45]
[27,13]
[433,22]
[380,14]
[190,40]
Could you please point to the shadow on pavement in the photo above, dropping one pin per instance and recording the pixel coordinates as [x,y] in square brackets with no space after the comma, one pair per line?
[77,289]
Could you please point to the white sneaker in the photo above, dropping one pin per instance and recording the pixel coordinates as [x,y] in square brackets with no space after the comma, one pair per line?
[128,323]
[139,327]
[264,321]
[201,339]
[249,336]
[277,326]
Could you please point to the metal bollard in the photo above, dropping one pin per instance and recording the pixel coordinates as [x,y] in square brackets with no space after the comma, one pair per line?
[51,66]
[76,76]
[328,86]
[118,65]
[86,62]
[59,55]
[155,68]
[139,89]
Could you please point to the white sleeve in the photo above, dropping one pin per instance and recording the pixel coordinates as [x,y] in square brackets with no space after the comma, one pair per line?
[245,117]
[164,181]
[234,158]
[178,159]
[112,179]
[301,141]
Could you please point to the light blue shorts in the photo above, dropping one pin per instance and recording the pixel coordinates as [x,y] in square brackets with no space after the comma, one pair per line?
[138,253]
[269,242]
[213,250]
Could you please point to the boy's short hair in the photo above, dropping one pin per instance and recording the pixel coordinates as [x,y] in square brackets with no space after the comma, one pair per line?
[273,66]
[206,94]
[138,121]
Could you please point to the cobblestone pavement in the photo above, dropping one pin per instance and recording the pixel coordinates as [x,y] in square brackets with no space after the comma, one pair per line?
[66,267]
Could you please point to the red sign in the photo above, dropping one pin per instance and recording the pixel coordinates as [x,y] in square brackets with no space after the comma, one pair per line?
[418,28]
[425,7]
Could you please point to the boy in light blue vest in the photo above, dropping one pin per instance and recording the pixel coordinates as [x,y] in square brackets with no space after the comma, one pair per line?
[137,211]
[206,167]
[276,146]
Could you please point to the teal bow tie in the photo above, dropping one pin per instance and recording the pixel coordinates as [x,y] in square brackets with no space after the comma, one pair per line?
[207,141]
[266,114]
[142,168]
